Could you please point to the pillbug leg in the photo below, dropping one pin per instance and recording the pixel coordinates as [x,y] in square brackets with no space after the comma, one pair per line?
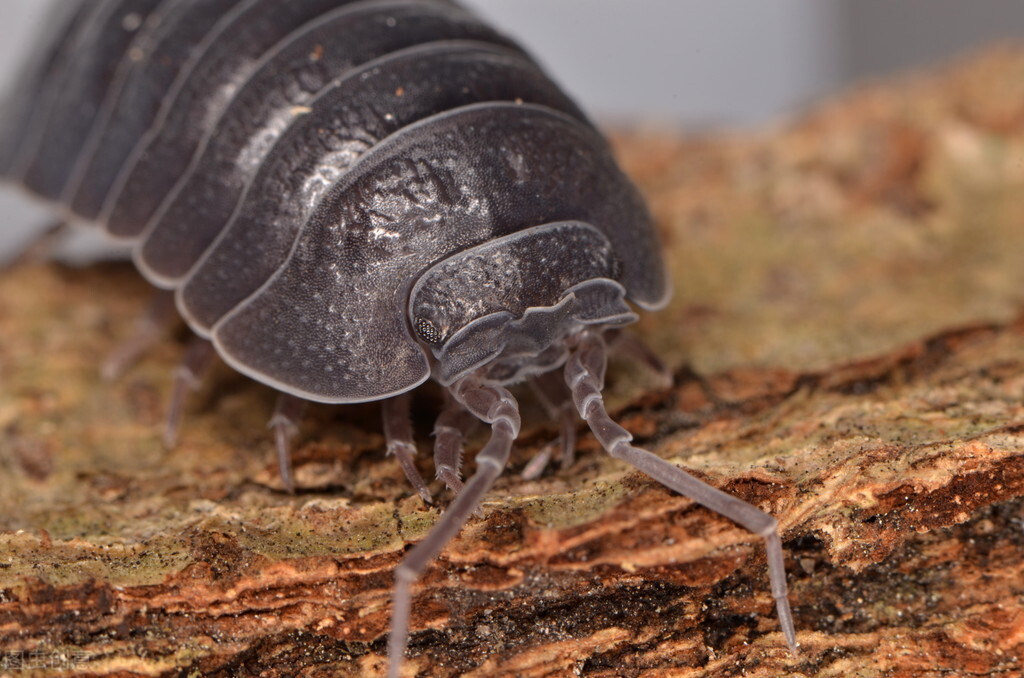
[448,434]
[149,328]
[568,435]
[285,424]
[536,466]
[398,435]
[628,344]
[566,440]
[497,407]
[40,247]
[198,357]
[550,390]
[584,373]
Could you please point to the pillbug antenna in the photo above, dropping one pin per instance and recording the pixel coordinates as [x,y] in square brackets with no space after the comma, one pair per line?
[584,373]
[497,407]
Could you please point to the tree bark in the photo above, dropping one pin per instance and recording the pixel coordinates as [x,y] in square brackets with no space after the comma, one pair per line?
[847,344]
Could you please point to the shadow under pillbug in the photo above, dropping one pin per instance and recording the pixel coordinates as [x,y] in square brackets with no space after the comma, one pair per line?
[346,199]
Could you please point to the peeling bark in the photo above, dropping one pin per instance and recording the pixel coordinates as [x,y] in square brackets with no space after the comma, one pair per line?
[847,340]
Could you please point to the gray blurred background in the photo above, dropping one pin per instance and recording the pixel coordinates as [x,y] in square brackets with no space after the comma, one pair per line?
[689,63]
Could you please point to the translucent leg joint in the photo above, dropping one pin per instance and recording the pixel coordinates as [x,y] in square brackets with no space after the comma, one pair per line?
[448,435]
[149,328]
[451,478]
[399,439]
[198,357]
[555,397]
[771,527]
[284,422]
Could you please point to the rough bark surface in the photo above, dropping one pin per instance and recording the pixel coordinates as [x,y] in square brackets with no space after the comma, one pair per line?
[847,340]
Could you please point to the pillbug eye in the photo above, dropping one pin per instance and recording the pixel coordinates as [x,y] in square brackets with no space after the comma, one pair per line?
[427,331]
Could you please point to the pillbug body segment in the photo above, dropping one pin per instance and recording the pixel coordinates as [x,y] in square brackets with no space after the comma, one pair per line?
[349,198]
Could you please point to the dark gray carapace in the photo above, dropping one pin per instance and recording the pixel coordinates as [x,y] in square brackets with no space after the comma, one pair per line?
[348,198]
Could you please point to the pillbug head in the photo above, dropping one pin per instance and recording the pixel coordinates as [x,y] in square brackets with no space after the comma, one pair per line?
[510,303]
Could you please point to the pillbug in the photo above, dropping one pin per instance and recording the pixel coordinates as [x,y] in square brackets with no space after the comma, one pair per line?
[348,198]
